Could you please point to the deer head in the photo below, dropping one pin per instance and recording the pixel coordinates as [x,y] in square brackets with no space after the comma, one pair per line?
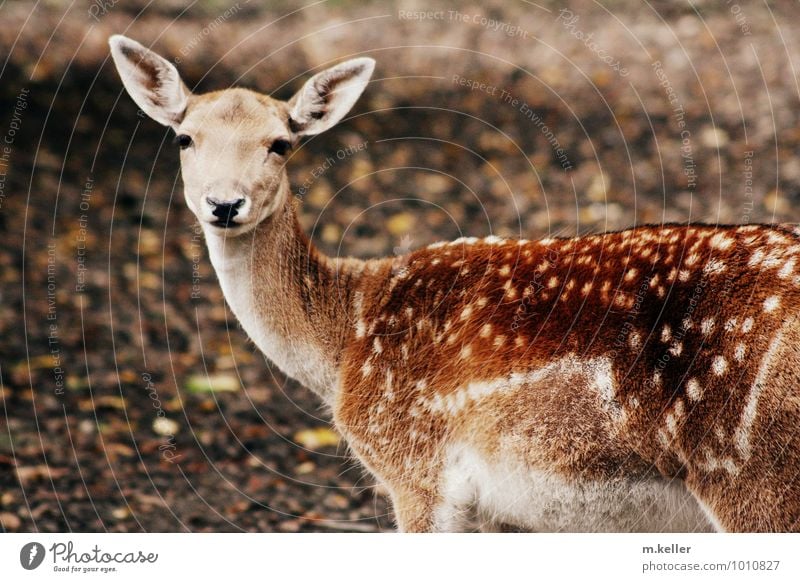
[235,143]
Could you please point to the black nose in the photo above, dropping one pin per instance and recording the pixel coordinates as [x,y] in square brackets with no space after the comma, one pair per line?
[225,211]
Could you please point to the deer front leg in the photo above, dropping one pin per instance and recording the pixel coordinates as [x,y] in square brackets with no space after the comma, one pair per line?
[419,511]
[413,511]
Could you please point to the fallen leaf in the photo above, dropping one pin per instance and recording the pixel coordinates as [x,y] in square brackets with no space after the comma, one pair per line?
[27,475]
[115,450]
[400,223]
[89,404]
[316,438]
[213,383]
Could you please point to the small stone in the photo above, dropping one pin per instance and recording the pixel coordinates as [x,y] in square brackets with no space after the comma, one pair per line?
[121,513]
[9,521]
[599,187]
[305,468]
[164,426]
[290,526]
[336,501]
[714,137]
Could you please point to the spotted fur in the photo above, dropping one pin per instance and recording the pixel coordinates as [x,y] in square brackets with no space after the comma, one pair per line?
[652,354]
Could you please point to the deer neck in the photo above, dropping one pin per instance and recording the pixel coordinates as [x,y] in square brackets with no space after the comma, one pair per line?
[293,302]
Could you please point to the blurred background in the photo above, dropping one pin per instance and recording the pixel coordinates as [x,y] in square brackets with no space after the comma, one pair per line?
[132,401]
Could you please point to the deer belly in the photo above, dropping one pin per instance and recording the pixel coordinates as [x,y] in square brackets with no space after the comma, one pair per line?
[509,494]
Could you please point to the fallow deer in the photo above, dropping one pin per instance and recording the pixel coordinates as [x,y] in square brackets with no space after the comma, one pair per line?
[643,380]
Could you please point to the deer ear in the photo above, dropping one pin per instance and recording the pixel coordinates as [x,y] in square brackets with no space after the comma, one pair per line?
[328,96]
[152,81]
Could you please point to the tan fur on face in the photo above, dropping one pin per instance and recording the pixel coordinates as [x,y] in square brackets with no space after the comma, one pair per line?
[231,132]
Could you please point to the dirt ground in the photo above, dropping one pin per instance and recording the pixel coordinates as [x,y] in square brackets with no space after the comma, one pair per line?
[132,401]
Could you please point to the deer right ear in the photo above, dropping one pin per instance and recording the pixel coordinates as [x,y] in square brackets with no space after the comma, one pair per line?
[152,81]
[327,96]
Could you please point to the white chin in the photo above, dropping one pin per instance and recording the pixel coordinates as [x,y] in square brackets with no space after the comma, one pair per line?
[233,229]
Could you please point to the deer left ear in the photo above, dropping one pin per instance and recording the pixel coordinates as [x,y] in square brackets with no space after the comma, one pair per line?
[152,81]
[327,96]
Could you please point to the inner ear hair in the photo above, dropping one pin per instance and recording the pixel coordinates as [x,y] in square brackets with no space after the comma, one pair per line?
[151,81]
[327,96]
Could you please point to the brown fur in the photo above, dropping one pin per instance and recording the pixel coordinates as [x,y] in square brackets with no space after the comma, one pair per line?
[557,421]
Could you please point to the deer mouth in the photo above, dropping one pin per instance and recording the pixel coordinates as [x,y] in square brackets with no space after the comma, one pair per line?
[222,223]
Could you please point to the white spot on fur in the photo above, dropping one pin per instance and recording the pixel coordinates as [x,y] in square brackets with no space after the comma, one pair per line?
[486,330]
[366,369]
[377,347]
[666,333]
[511,292]
[361,325]
[720,241]
[464,240]
[693,390]
[714,267]
[747,325]
[739,352]
[730,325]
[751,407]
[788,269]
[707,325]
[389,382]
[672,425]
[771,303]
[719,365]
[676,349]
[466,351]
[683,276]
[635,340]
[772,260]
[756,258]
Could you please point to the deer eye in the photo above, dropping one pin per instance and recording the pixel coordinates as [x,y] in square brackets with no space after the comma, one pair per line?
[183,141]
[280,147]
